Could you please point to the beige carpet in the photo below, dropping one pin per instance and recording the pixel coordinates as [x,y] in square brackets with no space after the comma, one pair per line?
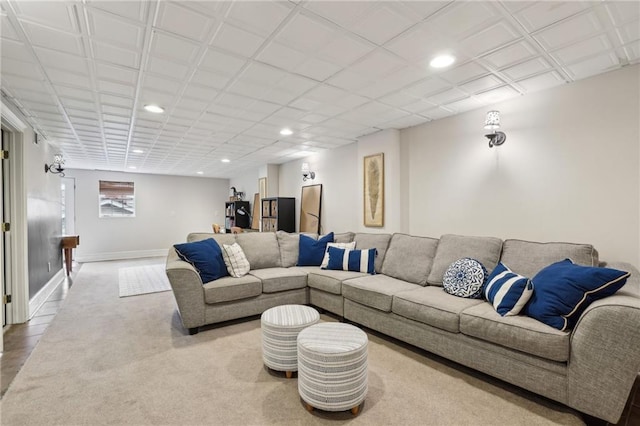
[111,360]
[136,280]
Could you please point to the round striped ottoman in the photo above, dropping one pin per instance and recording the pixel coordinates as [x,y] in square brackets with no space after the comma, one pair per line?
[332,366]
[280,328]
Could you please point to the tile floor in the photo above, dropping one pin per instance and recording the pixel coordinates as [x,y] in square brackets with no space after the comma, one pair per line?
[20,339]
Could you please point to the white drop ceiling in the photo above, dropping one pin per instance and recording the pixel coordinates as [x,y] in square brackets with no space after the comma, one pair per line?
[231,74]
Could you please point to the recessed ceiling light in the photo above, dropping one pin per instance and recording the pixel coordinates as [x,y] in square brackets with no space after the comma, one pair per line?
[137,151]
[225,160]
[154,108]
[286,132]
[200,172]
[442,61]
[132,167]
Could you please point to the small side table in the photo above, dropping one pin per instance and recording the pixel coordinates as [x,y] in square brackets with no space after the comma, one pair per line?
[69,242]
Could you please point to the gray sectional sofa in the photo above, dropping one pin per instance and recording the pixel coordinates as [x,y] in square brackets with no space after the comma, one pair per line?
[591,368]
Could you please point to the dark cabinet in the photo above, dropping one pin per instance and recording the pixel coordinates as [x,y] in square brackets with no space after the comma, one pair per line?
[278,214]
[237,213]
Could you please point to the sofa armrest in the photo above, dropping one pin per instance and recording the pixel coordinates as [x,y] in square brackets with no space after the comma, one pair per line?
[187,289]
[604,360]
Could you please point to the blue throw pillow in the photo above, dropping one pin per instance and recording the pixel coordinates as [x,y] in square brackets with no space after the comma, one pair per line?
[507,291]
[352,260]
[312,251]
[563,291]
[206,257]
[465,278]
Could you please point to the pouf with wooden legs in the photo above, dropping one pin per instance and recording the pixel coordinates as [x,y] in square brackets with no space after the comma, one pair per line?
[332,367]
[280,328]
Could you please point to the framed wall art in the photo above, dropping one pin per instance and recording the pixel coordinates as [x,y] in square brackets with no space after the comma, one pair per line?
[374,190]
[310,205]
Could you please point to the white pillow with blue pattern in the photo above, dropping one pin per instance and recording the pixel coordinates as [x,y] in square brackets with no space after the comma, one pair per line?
[507,291]
[465,278]
[325,259]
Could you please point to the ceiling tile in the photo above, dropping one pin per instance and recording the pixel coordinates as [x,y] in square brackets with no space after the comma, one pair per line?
[377,64]
[110,29]
[436,113]
[222,62]
[173,48]
[344,49]
[175,18]
[281,56]
[542,81]
[425,9]
[42,36]
[527,69]
[464,105]
[127,9]
[343,13]
[24,69]
[466,72]
[497,95]
[427,87]
[317,69]
[541,14]
[594,65]
[570,30]
[623,11]
[463,19]
[60,60]
[209,79]
[167,68]
[511,54]
[493,37]
[119,56]
[60,15]
[582,49]
[306,33]
[481,84]
[237,40]
[15,50]
[447,96]
[262,17]
[630,32]
[383,23]
[68,78]
[116,73]
[114,88]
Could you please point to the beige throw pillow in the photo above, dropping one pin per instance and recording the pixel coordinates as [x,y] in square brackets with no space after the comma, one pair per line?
[237,263]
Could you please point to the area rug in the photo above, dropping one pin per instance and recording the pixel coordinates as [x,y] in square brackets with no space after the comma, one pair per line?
[111,360]
[145,279]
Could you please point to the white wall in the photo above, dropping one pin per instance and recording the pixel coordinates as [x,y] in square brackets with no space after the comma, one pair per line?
[337,171]
[167,209]
[567,172]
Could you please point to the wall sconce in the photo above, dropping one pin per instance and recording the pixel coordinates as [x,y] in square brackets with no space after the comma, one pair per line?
[56,166]
[306,173]
[492,122]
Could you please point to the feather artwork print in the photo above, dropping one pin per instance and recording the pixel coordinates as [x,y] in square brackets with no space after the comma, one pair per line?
[374,187]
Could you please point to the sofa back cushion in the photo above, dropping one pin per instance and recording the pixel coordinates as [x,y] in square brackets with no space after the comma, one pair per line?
[409,258]
[376,241]
[485,250]
[343,237]
[290,246]
[220,238]
[260,248]
[528,257]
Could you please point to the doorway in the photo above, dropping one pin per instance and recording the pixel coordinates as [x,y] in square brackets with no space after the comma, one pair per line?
[5,235]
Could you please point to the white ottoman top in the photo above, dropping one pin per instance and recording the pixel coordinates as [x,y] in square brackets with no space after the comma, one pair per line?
[290,316]
[332,338]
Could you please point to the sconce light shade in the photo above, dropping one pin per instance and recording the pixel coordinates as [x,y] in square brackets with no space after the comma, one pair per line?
[306,173]
[492,122]
[55,167]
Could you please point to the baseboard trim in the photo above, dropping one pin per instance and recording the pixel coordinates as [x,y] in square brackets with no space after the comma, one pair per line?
[118,255]
[41,297]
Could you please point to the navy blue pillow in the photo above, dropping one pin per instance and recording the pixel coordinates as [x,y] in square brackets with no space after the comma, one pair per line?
[311,252]
[206,257]
[563,290]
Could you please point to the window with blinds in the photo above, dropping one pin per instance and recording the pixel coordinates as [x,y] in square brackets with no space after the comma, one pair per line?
[117,199]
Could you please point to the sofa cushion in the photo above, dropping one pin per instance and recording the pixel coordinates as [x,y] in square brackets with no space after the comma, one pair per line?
[465,278]
[261,248]
[485,250]
[375,291]
[312,251]
[563,290]
[516,332]
[528,257]
[343,237]
[325,259]
[432,306]
[237,263]
[352,260]
[289,244]
[376,241]
[228,288]
[220,238]
[280,279]
[409,258]
[205,256]
[330,281]
[507,291]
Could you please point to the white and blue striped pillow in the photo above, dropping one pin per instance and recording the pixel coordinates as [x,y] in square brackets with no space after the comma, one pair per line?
[352,260]
[507,291]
